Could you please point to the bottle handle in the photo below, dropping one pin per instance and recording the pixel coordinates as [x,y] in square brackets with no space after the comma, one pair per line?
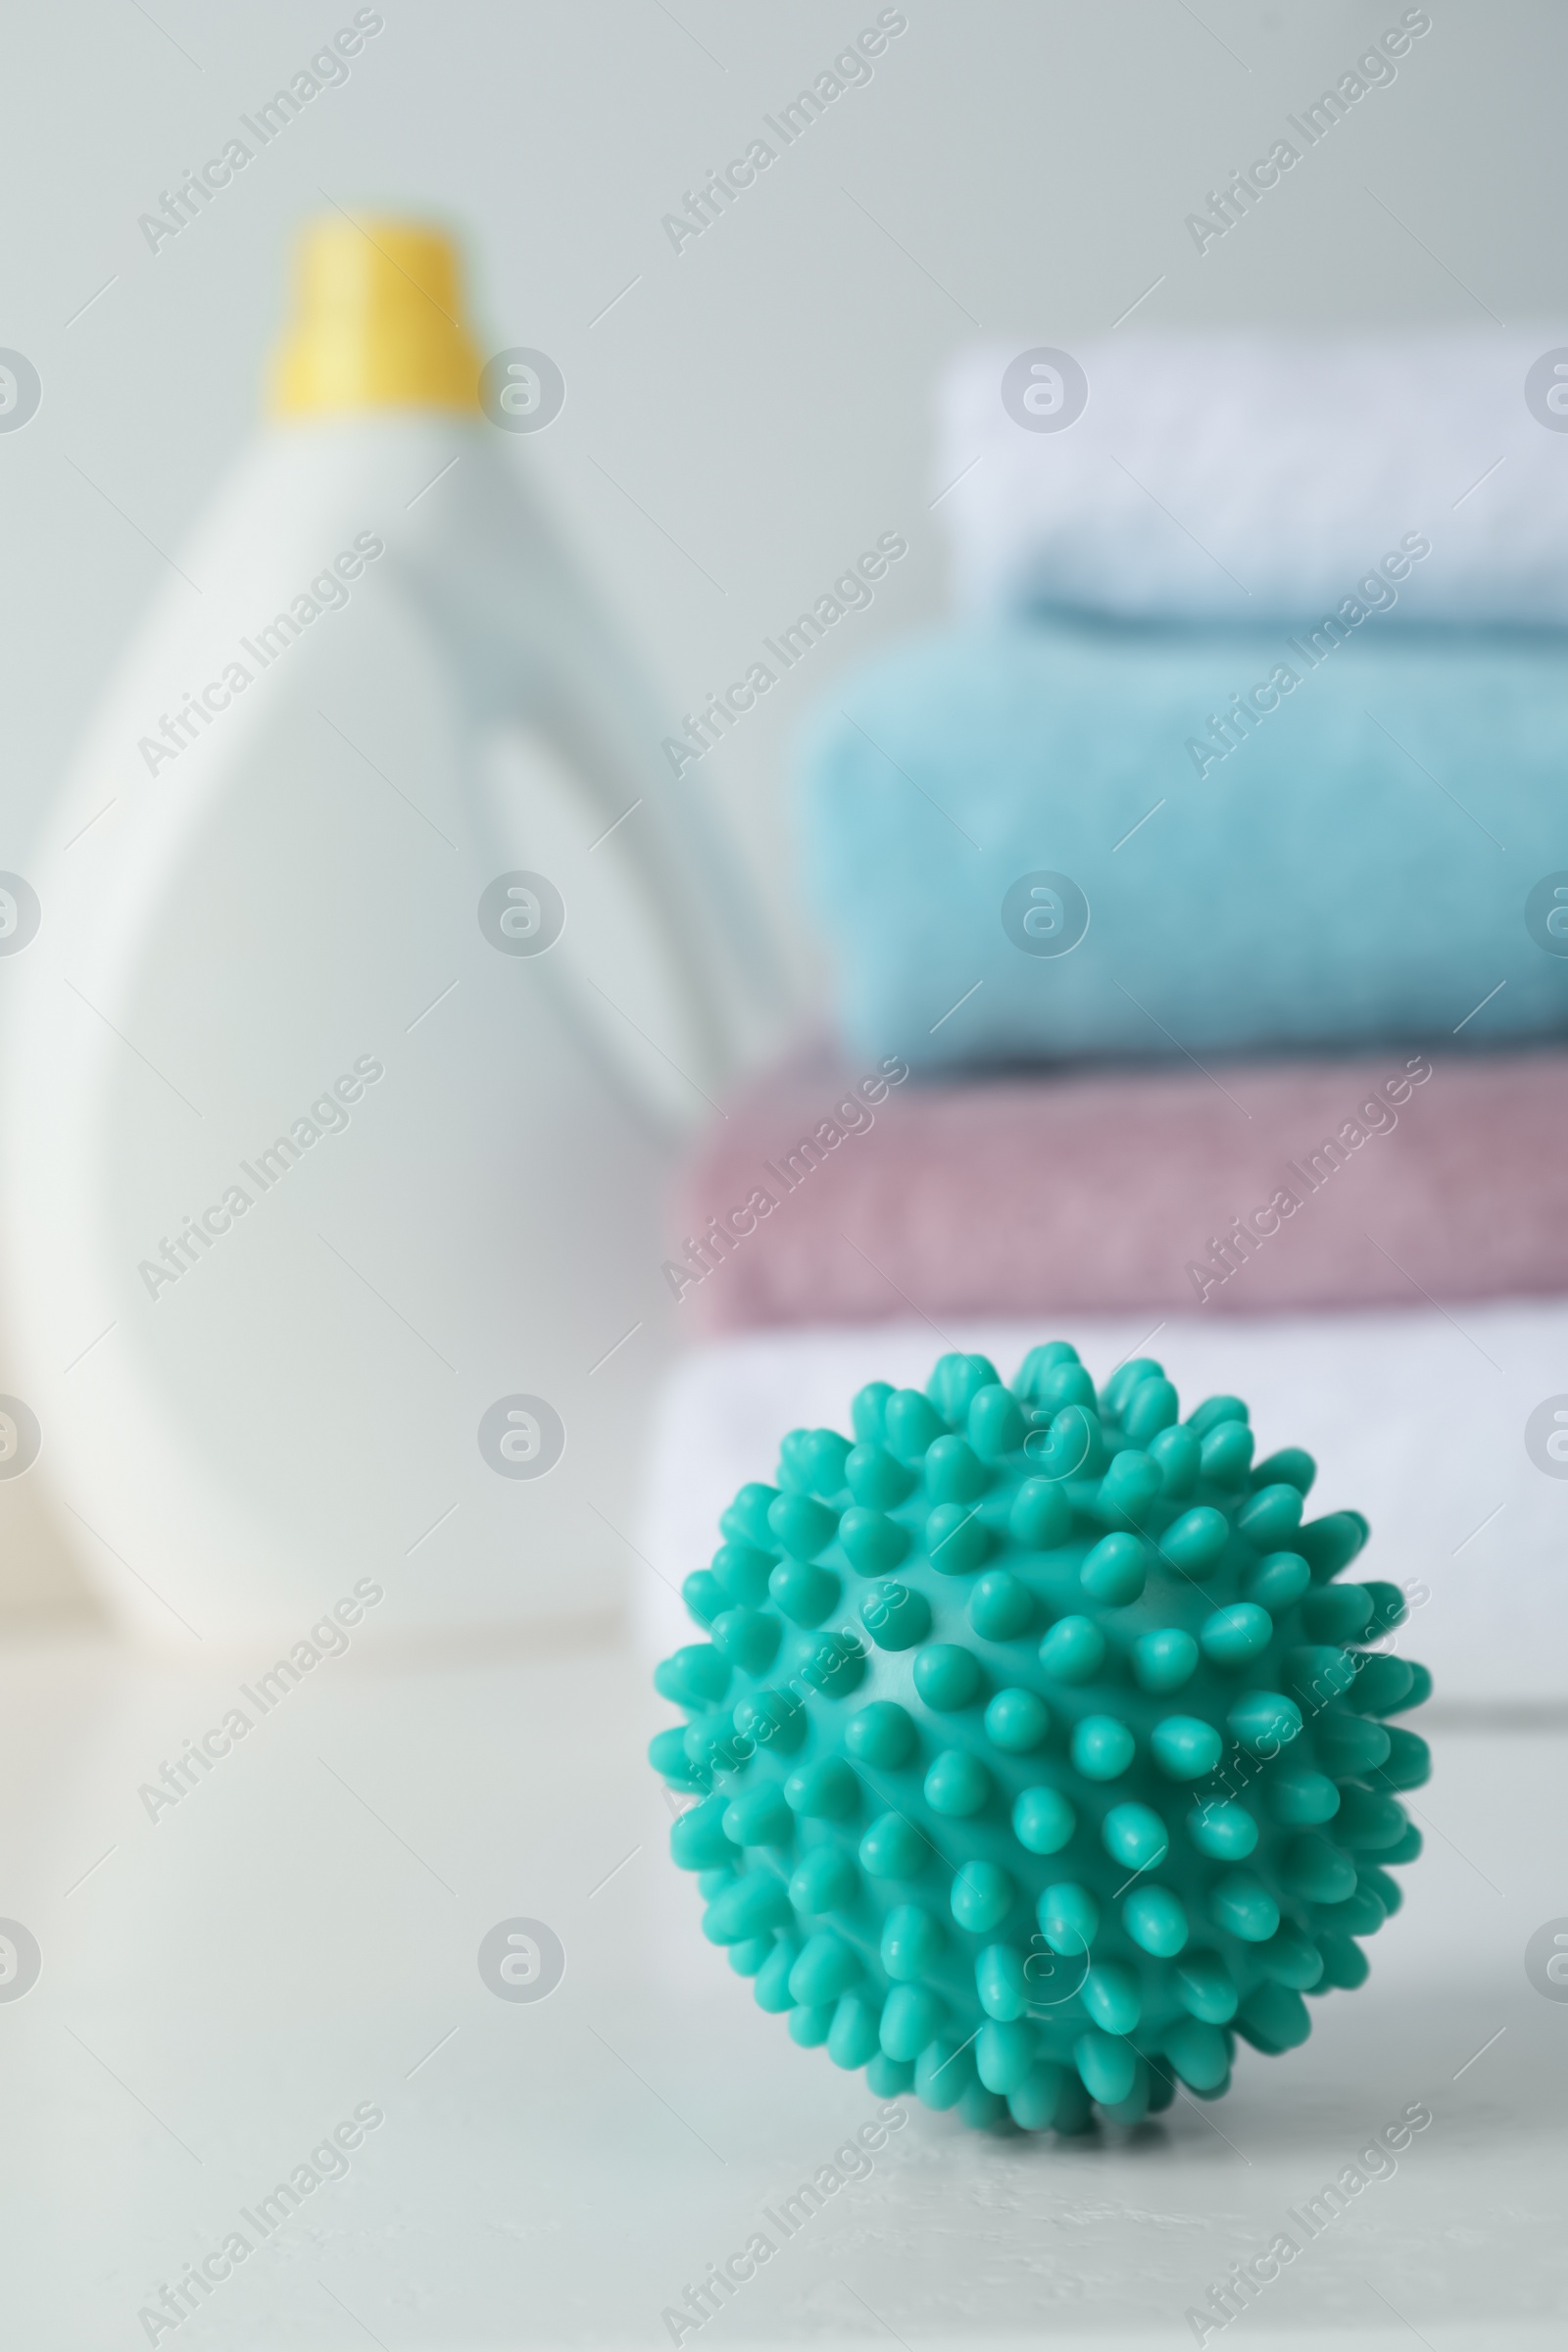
[630,954]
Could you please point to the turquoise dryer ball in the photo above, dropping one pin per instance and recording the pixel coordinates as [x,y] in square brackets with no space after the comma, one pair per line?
[1039,1749]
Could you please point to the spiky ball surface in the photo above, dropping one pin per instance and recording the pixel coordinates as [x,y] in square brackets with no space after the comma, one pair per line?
[1038,1744]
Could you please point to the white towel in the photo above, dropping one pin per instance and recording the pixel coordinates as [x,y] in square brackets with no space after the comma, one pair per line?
[1416,1418]
[1255,475]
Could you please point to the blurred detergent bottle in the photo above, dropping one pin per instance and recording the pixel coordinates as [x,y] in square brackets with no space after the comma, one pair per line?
[379,962]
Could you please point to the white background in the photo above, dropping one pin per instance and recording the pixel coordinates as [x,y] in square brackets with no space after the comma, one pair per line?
[756,409]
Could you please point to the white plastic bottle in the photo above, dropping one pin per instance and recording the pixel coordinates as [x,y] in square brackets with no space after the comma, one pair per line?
[378,960]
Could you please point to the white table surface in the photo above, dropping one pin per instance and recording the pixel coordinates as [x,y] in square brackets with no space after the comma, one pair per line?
[299,1935]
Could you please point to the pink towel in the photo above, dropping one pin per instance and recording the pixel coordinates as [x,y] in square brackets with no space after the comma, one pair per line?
[828,1195]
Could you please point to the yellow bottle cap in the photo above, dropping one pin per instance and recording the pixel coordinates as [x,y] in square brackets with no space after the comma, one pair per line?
[377,322]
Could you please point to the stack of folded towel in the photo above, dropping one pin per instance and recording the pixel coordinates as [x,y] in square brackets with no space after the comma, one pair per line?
[1194,899]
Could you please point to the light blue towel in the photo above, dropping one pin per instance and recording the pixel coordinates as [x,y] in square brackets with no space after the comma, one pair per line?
[1356,862]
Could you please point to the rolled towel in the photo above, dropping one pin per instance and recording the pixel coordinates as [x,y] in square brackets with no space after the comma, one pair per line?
[1060,840]
[843,1193]
[1250,475]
